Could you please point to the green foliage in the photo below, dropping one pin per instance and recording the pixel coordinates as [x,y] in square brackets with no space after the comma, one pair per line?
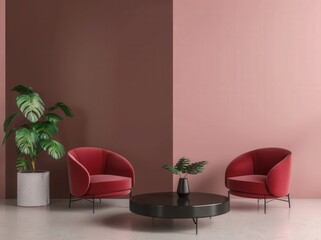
[37,134]
[171,169]
[55,149]
[22,89]
[186,167]
[22,164]
[196,167]
[53,117]
[182,164]
[45,130]
[9,120]
[67,111]
[31,106]
[7,135]
[27,141]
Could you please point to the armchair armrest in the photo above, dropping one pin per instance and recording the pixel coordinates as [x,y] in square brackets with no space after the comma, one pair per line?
[79,178]
[118,165]
[242,165]
[278,178]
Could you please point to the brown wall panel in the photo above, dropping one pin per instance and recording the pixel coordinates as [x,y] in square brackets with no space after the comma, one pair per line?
[2,96]
[111,61]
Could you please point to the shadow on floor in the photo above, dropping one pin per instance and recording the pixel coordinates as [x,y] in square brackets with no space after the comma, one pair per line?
[82,205]
[133,222]
[249,206]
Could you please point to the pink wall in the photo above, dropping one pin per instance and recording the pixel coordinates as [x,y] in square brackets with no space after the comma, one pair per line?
[2,96]
[247,74]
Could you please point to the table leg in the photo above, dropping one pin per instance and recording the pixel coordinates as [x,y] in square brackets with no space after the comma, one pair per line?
[195,220]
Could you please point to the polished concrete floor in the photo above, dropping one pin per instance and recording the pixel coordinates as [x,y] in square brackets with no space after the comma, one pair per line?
[113,220]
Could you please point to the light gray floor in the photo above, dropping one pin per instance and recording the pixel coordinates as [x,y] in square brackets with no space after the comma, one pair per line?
[113,220]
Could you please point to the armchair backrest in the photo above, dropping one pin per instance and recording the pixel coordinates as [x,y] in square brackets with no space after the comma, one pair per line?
[101,161]
[266,158]
[93,159]
[275,163]
[118,165]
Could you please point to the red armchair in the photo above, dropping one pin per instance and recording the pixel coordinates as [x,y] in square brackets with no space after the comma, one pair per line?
[262,174]
[98,173]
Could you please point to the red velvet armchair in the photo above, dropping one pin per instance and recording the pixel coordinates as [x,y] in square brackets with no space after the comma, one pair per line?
[262,174]
[98,173]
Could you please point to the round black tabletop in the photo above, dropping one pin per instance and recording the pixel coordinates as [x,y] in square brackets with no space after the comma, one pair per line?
[169,205]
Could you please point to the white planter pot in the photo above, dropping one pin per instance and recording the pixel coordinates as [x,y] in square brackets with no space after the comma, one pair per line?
[33,189]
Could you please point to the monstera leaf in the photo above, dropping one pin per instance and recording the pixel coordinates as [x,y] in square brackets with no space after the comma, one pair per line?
[27,140]
[22,164]
[196,167]
[53,148]
[45,130]
[31,105]
[53,117]
[171,169]
[182,164]
[67,111]
[22,89]
[9,120]
[7,135]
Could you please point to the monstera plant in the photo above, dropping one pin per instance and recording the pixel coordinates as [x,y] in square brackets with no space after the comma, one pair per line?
[184,167]
[36,134]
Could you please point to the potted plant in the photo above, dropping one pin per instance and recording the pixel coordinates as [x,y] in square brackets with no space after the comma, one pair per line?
[32,137]
[182,168]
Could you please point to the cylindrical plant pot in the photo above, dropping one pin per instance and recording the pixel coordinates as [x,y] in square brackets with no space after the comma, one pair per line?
[33,188]
[183,188]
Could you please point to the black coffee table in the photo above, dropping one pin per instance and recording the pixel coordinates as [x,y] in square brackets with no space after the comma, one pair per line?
[169,205]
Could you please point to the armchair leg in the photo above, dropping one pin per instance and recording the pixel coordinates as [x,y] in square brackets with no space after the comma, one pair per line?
[264,205]
[289,200]
[69,200]
[93,204]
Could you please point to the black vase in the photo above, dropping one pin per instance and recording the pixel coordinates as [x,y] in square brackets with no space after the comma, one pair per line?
[183,188]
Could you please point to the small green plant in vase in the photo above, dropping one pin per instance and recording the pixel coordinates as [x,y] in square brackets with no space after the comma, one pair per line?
[182,168]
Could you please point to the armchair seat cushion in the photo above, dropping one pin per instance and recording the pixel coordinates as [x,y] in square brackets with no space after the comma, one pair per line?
[255,184]
[102,184]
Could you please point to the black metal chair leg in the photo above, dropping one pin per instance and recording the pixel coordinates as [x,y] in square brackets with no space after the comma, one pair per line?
[289,200]
[69,200]
[93,204]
